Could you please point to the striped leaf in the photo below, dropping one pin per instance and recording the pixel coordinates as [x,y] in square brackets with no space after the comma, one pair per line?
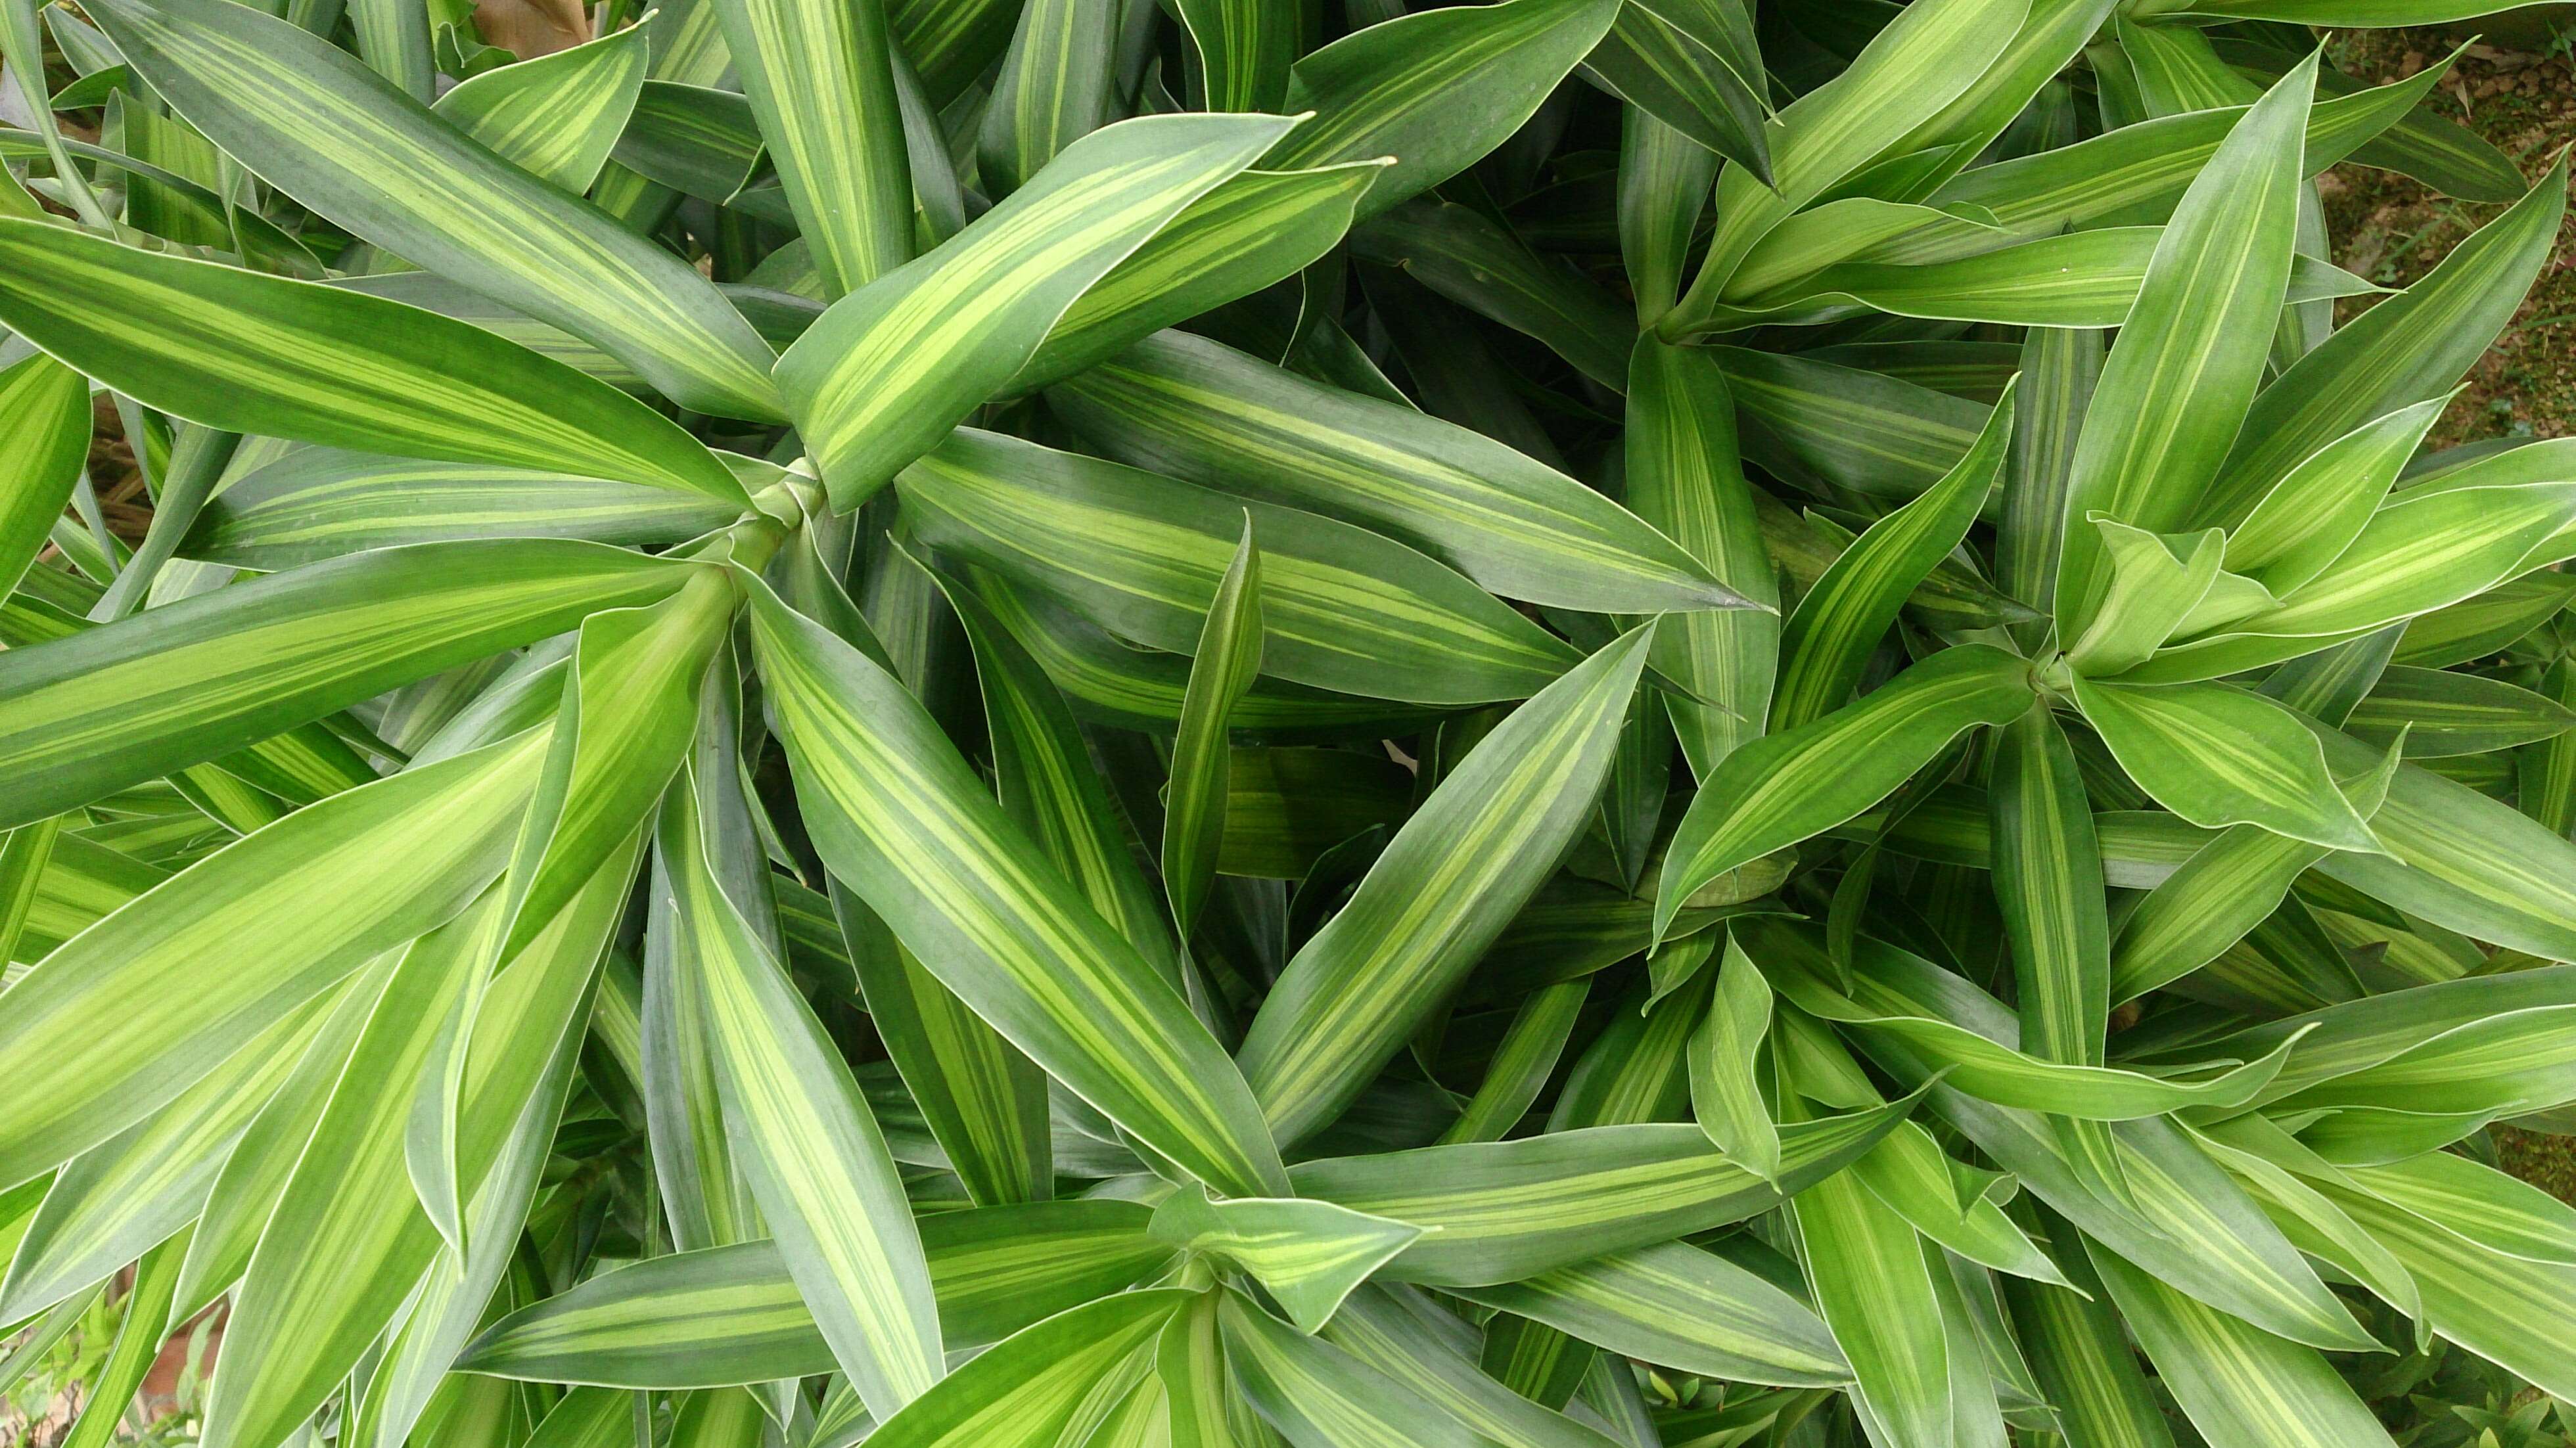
[1040,1384]
[1725,1065]
[1783,788]
[1680,1307]
[1446,886]
[971,313]
[822,90]
[554,116]
[1314,1393]
[1828,639]
[1423,1346]
[1148,556]
[2218,755]
[815,1157]
[2238,1384]
[1255,228]
[1436,90]
[907,826]
[392,859]
[44,413]
[196,679]
[1310,1255]
[249,353]
[332,134]
[1245,48]
[2187,366]
[346,1240]
[1195,409]
[724,1315]
[1503,1211]
[1223,665]
[318,503]
[2048,884]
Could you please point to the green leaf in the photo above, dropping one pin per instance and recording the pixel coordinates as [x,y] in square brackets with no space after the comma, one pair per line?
[554,116]
[196,679]
[2192,353]
[1680,1307]
[2411,348]
[2439,713]
[973,312]
[820,86]
[1478,263]
[391,860]
[1223,665]
[243,352]
[44,414]
[2079,1357]
[111,1203]
[343,141]
[1446,886]
[1907,73]
[724,1315]
[2152,593]
[1725,1061]
[2315,512]
[1873,1287]
[1693,66]
[905,824]
[1402,1333]
[2048,885]
[1506,1210]
[1685,478]
[2239,1385]
[1147,557]
[815,1157]
[1057,83]
[1318,1396]
[2218,755]
[1190,408]
[1245,48]
[1308,1254]
[1253,229]
[318,503]
[1828,640]
[1024,1392]
[1436,89]
[1783,788]
[346,1240]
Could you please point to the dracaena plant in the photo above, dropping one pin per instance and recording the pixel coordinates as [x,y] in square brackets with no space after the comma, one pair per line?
[1553,724]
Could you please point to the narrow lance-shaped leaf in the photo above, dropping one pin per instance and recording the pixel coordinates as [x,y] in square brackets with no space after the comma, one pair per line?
[555,116]
[892,367]
[1227,658]
[2239,1385]
[1023,1392]
[2218,755]
[1826,644]
[816,1159]
[1784,788]
[1505,1210]
[1308,1254]
[1192,408]
[2048,882]
[819,82]
[333,135]
[331,1266]
[391,859]
[1315,1393]
[1678,1306]
[1436,89]
[903,821]
[196,679]
[1685,477]
[1445,887]
[1147,556]
[1725,1061]
[44,417]
[2193,351]
[243,352]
